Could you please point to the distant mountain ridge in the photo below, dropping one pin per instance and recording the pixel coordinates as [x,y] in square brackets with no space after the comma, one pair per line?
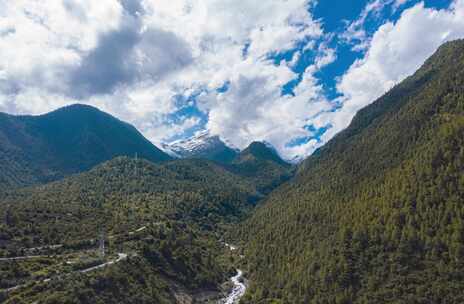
[259,163]
[206,146]
[36,149]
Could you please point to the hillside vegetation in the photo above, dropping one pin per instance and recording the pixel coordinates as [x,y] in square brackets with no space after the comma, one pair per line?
[377,215]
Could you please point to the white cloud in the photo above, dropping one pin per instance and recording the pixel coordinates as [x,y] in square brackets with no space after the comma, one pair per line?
[355,31]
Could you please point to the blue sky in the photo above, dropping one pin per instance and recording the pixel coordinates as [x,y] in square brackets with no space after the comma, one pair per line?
[336,14]
[292,73]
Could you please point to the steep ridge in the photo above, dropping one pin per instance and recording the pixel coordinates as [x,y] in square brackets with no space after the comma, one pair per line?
[37,149]
[377,215]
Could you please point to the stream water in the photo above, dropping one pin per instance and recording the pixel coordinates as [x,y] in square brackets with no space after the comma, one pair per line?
[238,290]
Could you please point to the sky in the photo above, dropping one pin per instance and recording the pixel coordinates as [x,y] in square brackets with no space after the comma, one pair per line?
[290,72]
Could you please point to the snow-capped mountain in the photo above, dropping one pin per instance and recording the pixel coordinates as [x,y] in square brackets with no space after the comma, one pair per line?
[202,145]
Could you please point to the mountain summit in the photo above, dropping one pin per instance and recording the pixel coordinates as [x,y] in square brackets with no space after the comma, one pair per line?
[260,151]
[261,163]
[72,139]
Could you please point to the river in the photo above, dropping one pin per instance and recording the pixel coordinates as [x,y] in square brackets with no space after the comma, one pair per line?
[238,290]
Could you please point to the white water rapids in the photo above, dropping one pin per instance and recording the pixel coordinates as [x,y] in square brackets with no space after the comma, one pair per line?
[237,292]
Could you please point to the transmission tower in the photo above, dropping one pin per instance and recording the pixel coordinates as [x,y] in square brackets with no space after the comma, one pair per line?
[102,244]
[136,159]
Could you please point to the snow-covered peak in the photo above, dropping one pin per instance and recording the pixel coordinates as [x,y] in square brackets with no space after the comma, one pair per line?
[202,145]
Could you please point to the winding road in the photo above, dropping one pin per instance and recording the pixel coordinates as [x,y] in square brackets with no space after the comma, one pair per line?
[121,257]
[28,257]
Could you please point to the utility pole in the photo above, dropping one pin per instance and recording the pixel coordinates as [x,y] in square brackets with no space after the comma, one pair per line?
[8,217]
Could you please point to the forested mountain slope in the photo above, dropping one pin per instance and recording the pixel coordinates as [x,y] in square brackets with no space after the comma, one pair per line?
[38,149]
[377,215]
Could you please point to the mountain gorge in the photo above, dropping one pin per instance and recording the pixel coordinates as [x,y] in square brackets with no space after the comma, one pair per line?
[92,212]
[166,218]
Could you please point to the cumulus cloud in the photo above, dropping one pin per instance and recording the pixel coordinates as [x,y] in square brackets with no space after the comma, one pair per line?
[253,108]
[234,48]
[126,56]
[144,60]
[43,45]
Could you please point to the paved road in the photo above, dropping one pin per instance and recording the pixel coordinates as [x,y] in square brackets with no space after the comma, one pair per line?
[121,257]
